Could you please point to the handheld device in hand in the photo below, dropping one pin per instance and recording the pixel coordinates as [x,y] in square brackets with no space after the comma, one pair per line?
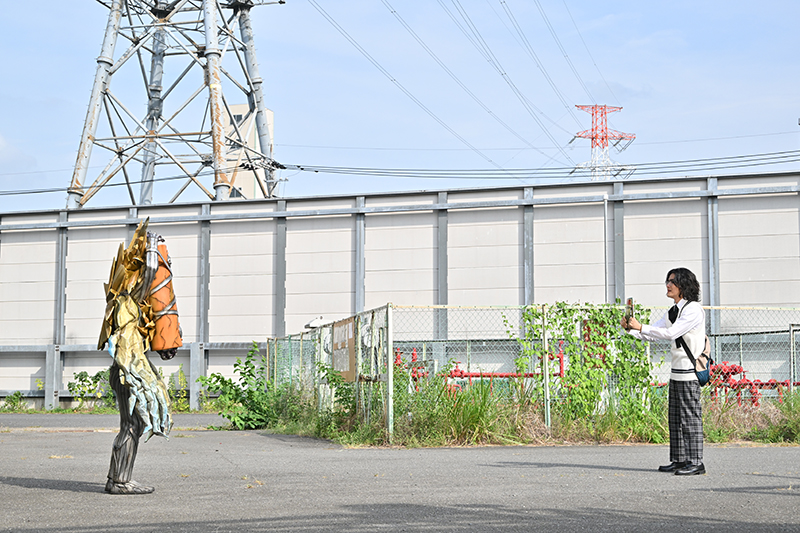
[629,310]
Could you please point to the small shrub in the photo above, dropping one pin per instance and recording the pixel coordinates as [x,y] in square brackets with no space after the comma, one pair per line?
[15,402]
[95,389]
[82,388]
[104,392]
[253,402]
[179,391]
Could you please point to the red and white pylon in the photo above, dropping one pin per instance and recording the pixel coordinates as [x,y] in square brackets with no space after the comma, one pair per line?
[601,165]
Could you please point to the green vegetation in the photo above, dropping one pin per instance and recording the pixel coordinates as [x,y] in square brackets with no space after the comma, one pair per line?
[178,388]
[95,395]
[253,401]
[94,391]
[14,403]
[603,395]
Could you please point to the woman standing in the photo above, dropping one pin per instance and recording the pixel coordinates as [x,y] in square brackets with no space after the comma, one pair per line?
[685,319]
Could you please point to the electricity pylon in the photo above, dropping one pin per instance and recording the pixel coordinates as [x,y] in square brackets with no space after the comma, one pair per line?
[601,165]
[187,130]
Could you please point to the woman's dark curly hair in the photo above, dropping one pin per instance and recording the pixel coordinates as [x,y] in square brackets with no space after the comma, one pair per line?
[686,281]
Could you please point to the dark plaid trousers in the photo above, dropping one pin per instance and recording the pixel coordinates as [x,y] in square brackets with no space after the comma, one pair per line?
[685,422]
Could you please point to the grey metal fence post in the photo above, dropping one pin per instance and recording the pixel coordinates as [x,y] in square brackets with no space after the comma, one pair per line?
[389,373]
[741,351]
[358,364]
[268,363]
[545,367]
[527,249]
[60,300]
[204,277]
[619,244]
[319,383]
[792,362]
[52,376]
[196,369]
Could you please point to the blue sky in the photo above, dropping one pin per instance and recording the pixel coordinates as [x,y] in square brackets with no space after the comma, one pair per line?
[696,80]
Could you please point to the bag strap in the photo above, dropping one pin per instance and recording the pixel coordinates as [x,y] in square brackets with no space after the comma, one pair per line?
[680,343]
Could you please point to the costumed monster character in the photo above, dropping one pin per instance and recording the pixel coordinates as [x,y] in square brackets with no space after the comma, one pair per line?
[140,315]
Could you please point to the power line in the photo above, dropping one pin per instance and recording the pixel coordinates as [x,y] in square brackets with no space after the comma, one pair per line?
[561,47]
[654,168]
[400,86]
[719,138]
[532,54]
[590,55]
[27,172]
[474,36]
[517,148]
[563,173]
[455,78]
[399,149]
[123,183]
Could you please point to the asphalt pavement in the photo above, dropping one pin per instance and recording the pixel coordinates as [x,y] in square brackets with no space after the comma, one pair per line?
[53,470]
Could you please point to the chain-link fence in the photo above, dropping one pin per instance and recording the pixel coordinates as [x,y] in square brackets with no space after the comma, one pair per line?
[756,350]
[474,340]
[755,347]
[358,347]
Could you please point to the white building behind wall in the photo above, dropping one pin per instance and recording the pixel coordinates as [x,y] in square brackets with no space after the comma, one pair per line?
[251,270]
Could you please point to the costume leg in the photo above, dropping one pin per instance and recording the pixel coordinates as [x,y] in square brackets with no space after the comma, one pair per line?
[676,448]
[692,422]
[126,444]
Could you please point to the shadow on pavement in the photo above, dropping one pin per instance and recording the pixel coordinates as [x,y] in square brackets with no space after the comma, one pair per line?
[523,464]
[403,517]
[52,484]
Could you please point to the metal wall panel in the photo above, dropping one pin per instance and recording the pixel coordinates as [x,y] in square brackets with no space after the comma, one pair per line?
[222,361]
[568,253]
[27,286]
[403,246]
[484,257]
[19,371]
[660,236]
[759,241]
[89,255]
[241,284]
[227,259]
[319,269]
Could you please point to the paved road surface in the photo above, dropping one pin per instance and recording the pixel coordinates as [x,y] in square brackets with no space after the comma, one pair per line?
[53,467]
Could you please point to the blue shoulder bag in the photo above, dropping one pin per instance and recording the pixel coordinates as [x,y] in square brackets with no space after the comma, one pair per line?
[702,365]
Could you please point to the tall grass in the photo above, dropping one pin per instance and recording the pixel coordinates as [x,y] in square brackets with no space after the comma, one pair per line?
[436,411]
[439,415]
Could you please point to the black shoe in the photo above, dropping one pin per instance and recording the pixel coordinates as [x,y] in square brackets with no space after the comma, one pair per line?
[673,466]
[691,470]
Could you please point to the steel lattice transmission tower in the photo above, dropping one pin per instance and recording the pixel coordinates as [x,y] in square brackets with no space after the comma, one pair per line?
[601,165]
[180,55]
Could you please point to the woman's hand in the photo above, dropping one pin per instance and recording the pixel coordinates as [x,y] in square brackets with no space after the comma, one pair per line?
[634,324]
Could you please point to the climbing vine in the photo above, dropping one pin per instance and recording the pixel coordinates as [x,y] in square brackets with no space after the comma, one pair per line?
[593,364]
